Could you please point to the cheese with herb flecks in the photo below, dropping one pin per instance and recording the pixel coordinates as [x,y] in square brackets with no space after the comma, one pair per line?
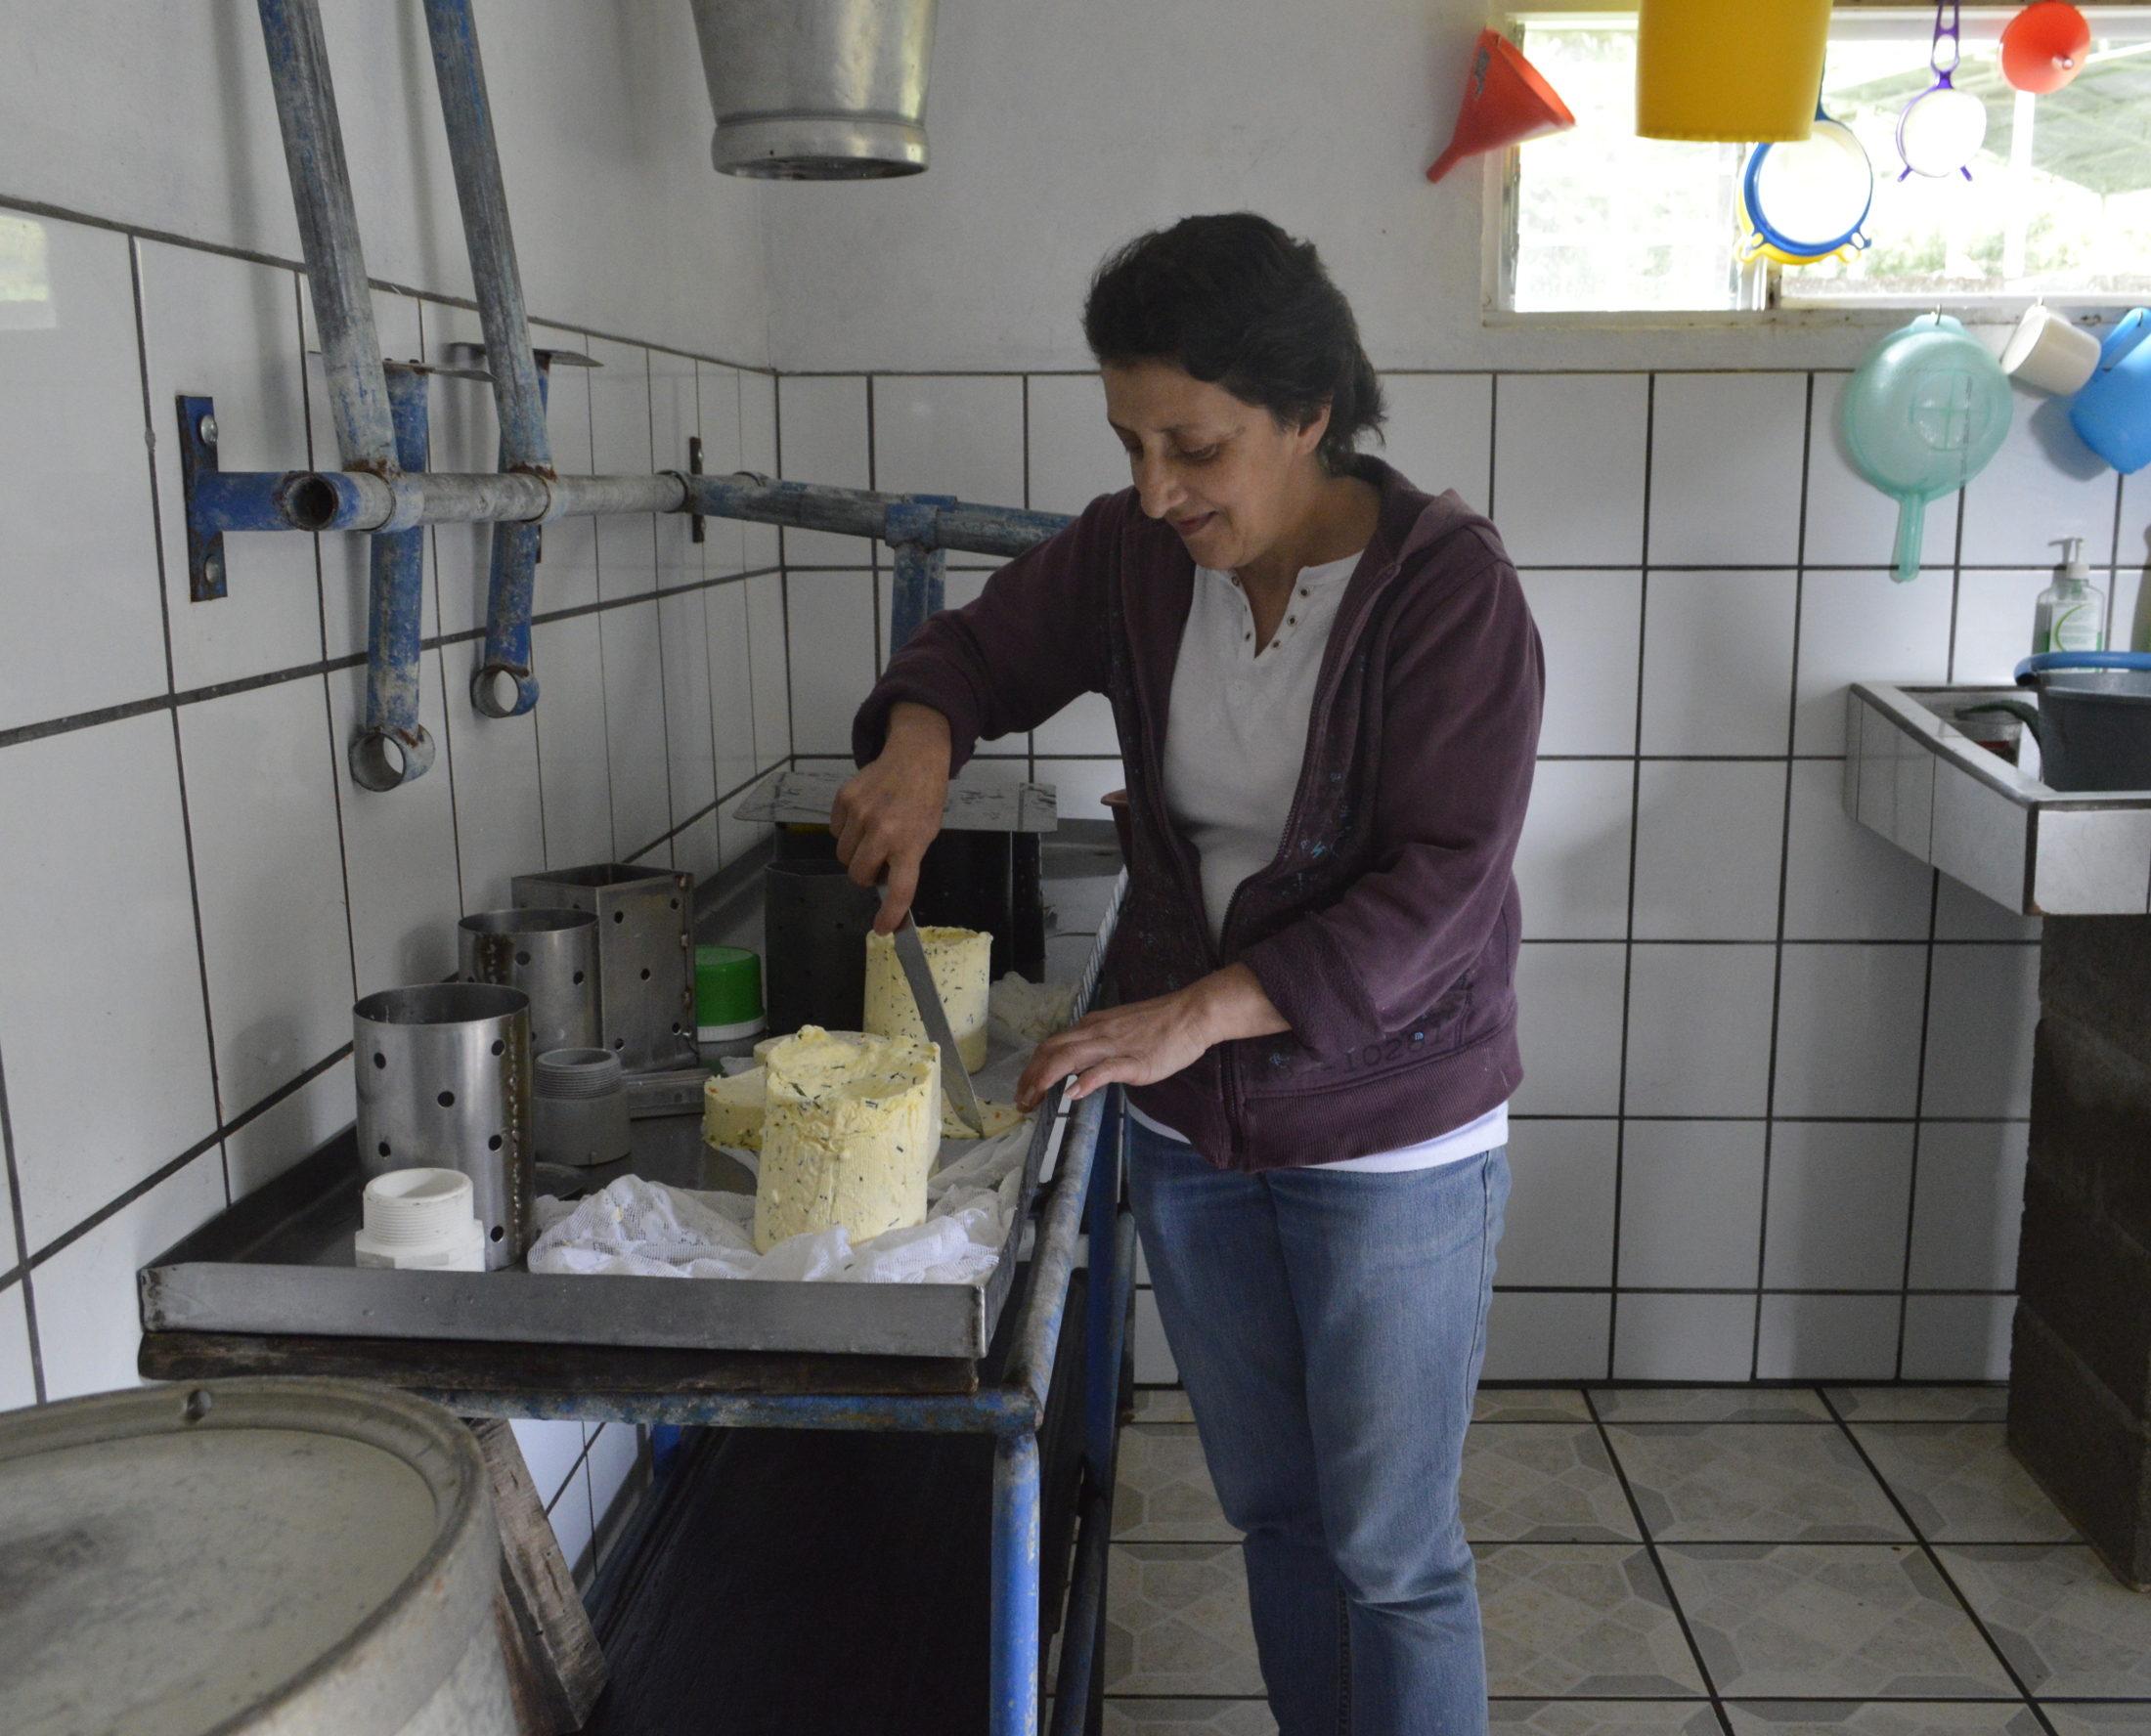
[850,1127]
[998,1118]
[962,961]
[731,1110]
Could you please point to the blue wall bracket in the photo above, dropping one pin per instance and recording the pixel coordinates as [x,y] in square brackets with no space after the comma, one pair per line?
[197,457]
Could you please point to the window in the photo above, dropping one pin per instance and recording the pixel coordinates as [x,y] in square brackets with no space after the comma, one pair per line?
[2058,204]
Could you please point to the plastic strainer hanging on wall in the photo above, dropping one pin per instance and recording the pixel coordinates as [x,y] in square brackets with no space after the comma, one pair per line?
[1805,203]
[1942,128]
[1924,413]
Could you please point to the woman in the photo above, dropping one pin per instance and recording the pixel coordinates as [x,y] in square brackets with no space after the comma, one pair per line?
[1327,686]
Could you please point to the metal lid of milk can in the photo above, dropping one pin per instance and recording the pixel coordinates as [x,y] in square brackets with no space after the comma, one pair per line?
[258,1555]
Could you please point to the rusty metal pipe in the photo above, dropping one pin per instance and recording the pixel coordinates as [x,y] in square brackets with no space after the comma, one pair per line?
[392,747]
[328,233]
[519,381]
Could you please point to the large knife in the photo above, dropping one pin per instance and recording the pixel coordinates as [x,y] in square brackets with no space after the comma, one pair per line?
[955,1077]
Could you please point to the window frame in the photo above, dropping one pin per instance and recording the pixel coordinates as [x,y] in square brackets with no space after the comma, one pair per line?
[1502,183]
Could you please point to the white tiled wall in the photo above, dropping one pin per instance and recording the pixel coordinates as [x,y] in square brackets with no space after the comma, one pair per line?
[1747,1023]
[196,889]
[579,1470]
[1777,1072]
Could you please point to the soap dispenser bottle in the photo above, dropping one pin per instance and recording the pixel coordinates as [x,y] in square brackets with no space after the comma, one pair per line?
[2072,611]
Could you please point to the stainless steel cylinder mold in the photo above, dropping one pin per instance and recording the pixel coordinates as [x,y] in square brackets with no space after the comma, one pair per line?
[645,956]
[444,1083]
[551,956]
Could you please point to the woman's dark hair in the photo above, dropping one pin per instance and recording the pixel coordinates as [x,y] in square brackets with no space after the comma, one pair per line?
[1234,300]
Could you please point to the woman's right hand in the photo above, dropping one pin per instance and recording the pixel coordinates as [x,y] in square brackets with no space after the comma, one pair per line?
[887,815]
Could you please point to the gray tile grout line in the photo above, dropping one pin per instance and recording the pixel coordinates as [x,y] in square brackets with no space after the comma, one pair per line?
[2113,564]
[1030,736]
[137,233]
[783,583]
[1934,1559]
[597,572]
[1522,1289]
[179,755]
[873,470]
[2030,943]
[327,702]
[21,1242]
[1801,1120]
[1785,875]
[69,724]
[431,555]
[1657,1564]
[1919,1102]
[709,807]
[657,567]
[1926,992]
[709,703]
[1635,828]
[1493,437]
[165,1171]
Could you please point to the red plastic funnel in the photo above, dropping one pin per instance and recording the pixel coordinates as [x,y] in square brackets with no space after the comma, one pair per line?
[1505,103]
[2044,47]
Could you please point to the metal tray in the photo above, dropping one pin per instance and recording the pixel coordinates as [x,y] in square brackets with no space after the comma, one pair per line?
[280,1262]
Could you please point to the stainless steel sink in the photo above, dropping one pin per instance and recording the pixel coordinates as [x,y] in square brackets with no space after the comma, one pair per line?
[1912,777]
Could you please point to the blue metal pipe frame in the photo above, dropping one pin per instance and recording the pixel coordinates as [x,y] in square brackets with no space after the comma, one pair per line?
[377,491]
[922,566]
[393,748]
[379,417]
[518,381]
[1012,1411]
[1082,1621]
[347,500]
[328,233]
[511,589]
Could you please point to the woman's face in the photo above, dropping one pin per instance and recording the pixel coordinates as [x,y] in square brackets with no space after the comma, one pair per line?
[1228,476]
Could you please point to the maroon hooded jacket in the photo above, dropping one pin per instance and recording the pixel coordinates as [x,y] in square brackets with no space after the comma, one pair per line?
[1385,931]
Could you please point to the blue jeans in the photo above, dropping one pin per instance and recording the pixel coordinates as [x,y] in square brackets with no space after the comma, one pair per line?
[1329,1328]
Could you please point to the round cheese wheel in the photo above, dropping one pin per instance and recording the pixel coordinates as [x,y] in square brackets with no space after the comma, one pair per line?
[961,960]
[850,1127]
[731,1110]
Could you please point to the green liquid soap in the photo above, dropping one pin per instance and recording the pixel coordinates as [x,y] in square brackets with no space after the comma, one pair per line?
[2072,611]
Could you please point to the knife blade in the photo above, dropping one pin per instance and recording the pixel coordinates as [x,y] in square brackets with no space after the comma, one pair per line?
[955,1077]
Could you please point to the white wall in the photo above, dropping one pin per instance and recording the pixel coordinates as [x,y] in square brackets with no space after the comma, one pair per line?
[157,115]
[1058,131]
[195,891]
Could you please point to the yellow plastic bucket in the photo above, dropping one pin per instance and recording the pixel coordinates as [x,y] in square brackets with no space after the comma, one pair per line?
[1742,71]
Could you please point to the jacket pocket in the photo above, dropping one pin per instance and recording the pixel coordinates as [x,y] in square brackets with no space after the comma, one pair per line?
[1267,1071]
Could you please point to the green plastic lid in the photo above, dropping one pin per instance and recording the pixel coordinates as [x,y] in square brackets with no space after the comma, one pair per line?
[727,991]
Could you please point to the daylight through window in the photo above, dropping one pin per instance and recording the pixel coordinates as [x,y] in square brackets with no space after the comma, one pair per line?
[2059,202]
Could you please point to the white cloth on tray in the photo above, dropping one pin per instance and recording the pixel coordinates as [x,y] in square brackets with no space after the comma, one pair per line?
[644,1229]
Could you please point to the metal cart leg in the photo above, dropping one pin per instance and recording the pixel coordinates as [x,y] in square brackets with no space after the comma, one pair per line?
[1014,1678]
[1104,1292]
[1080,1692]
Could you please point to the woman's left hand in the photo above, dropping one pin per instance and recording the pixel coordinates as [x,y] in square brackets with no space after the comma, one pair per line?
[1150,1040]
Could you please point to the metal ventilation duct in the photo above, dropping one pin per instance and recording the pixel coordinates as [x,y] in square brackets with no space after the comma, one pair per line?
[817,90]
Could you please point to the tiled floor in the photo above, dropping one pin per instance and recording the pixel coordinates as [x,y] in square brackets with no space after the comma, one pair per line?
[1691,1561]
